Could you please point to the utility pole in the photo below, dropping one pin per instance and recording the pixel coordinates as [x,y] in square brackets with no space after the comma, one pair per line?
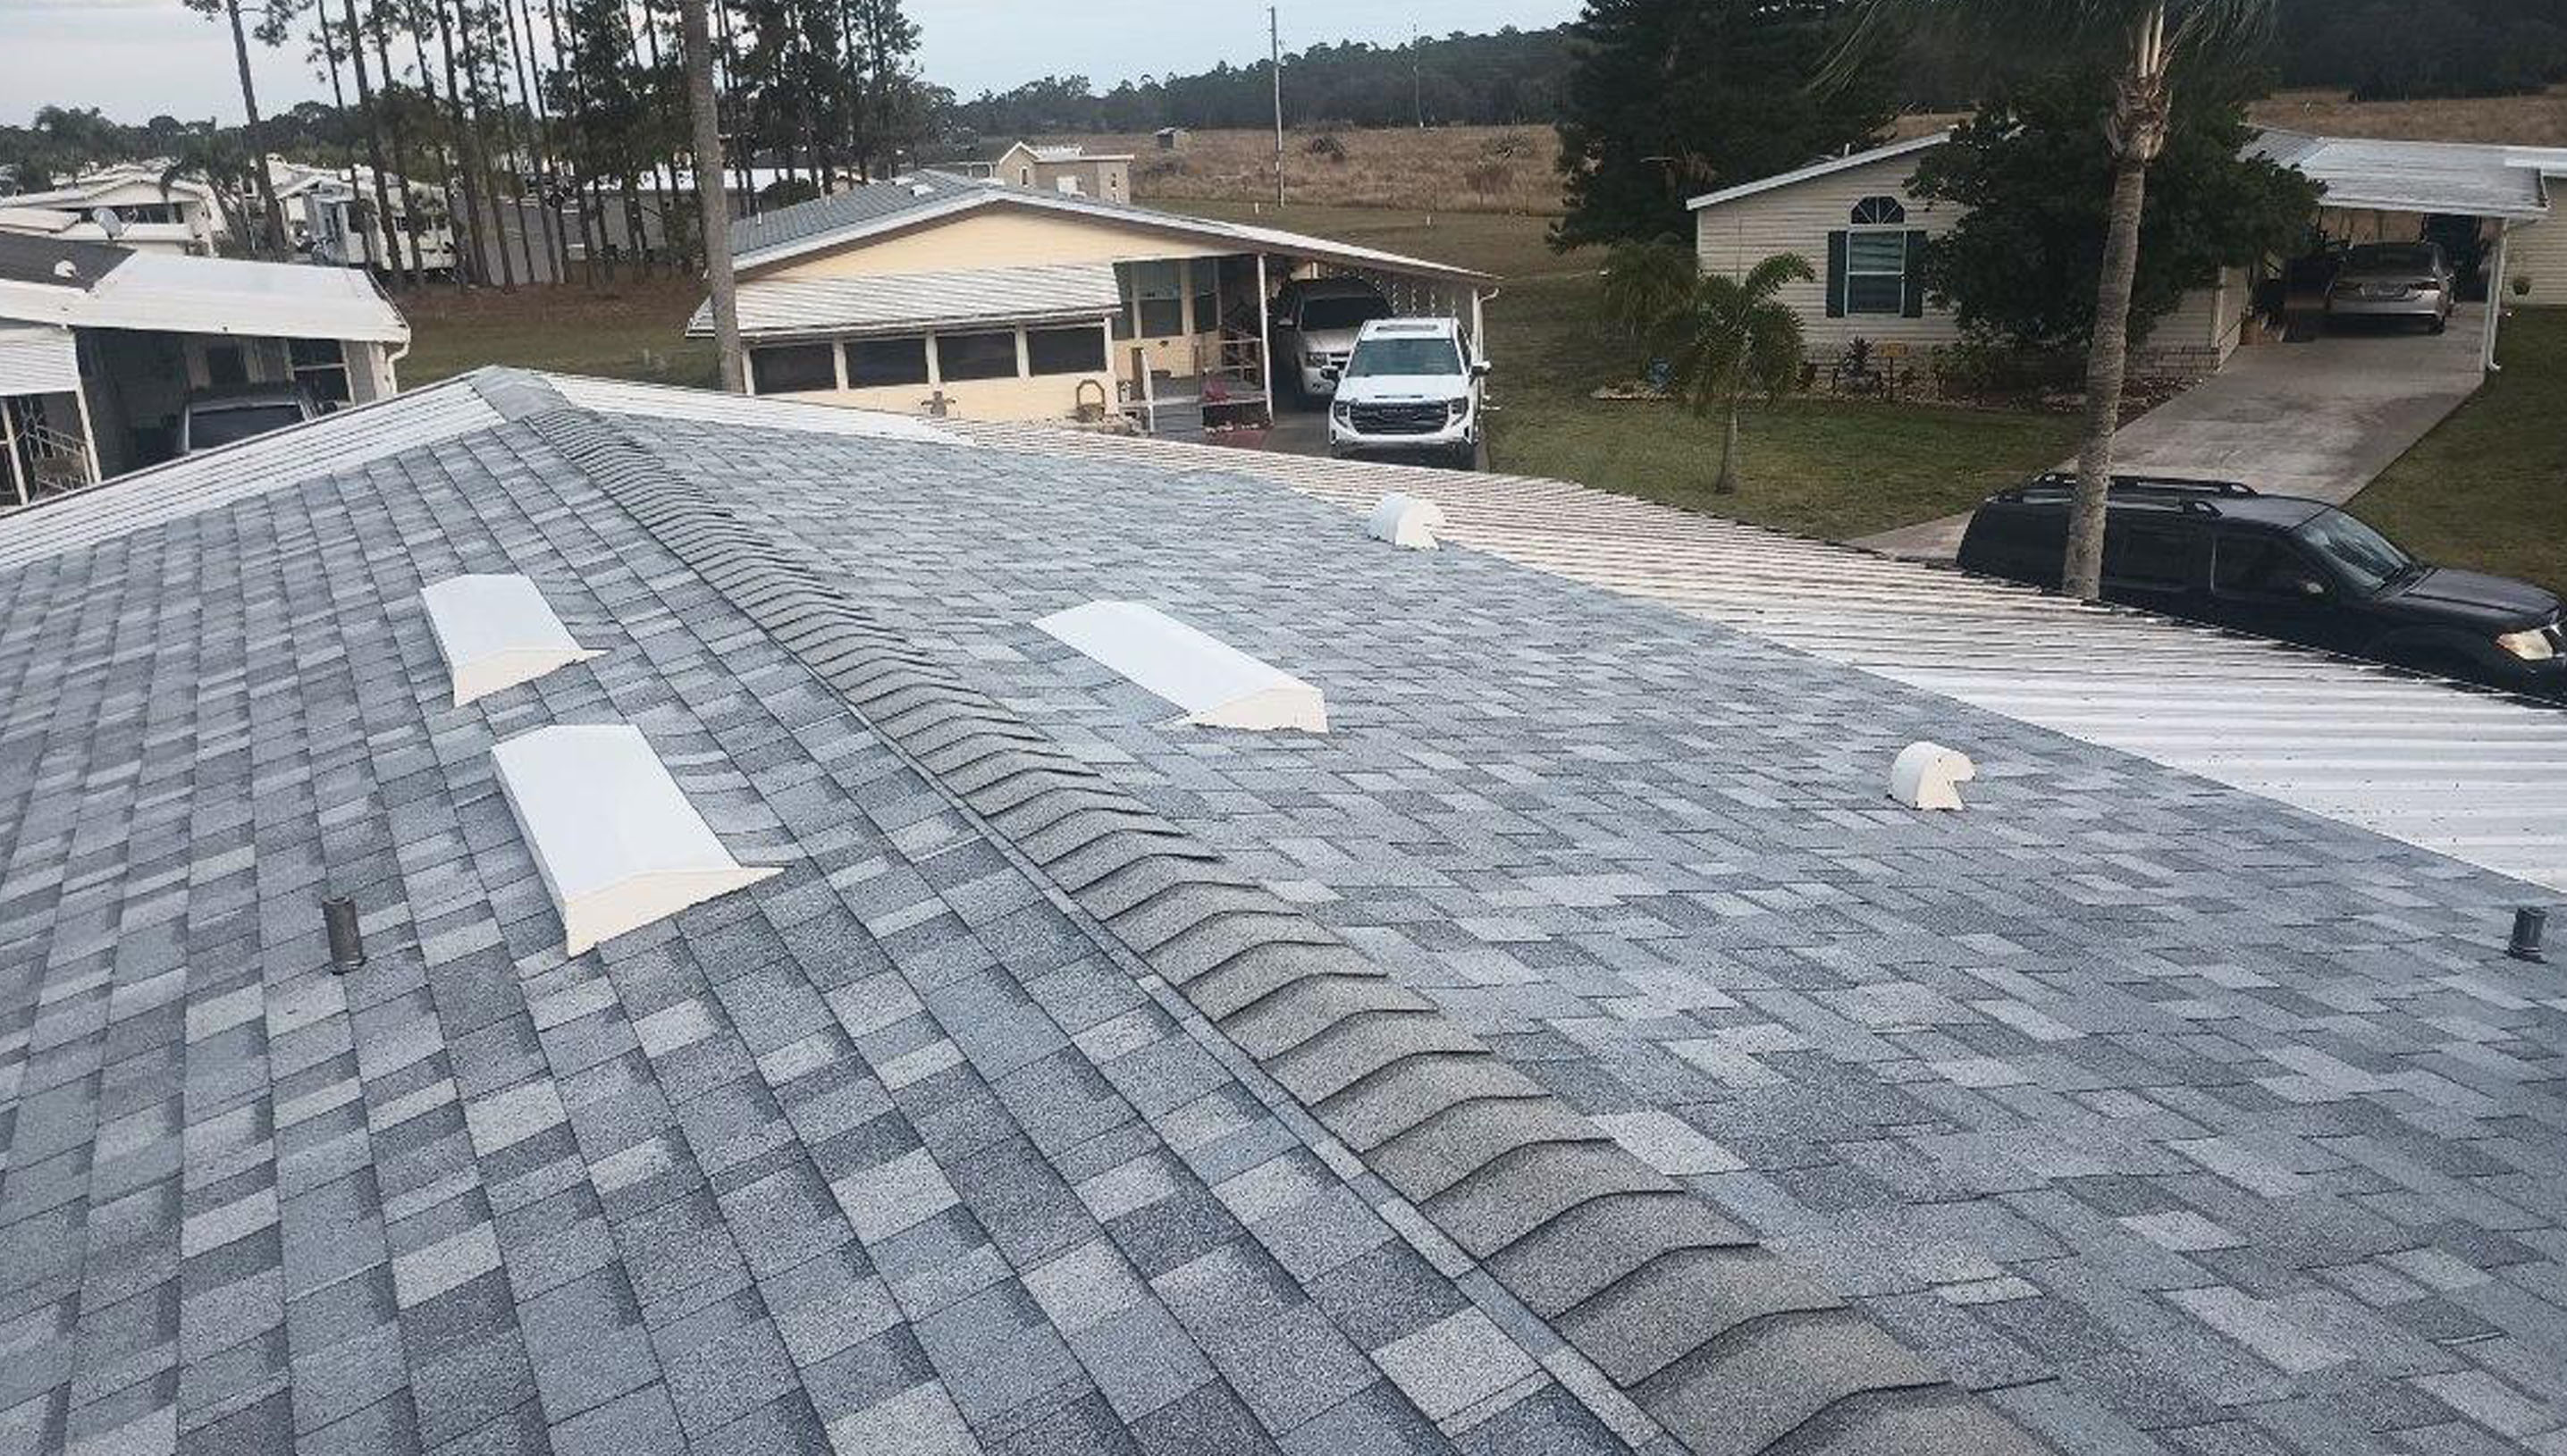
[1274,57]
[1417,77]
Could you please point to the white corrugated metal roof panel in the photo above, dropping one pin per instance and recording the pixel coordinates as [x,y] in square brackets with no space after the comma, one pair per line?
[2473,775]
[36,359]
[2468,178]
[667,401]
[776,307]
[186,295]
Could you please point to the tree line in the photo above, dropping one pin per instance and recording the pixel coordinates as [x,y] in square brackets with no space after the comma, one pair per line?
[1510,78]
[540,124]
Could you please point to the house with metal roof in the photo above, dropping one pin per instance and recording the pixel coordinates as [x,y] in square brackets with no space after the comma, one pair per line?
[100,347]
[1563,1044]
[951,295]
[1855,212]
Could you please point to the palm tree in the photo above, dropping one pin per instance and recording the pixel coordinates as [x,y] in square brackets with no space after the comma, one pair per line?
[2143,40]
[1728,336]
[711,205]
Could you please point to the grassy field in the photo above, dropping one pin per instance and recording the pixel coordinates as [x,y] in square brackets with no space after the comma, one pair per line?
[1513,169]
[631,330]
[2488,488]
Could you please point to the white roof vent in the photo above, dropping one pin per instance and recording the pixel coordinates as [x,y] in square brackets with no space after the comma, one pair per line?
[496,632]
[617,842]
[1406,521]
[1216,684]
[1925,775]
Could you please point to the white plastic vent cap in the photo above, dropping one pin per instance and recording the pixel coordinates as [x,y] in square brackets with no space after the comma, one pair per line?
[1925,775]
[1216,684]
[1406,521]
[496,632]
[614,837]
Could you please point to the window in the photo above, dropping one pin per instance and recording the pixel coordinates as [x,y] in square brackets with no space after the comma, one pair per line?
[2361,553]
[1067,184]
[975,355]
[1879,212]
[791,368]
[1065,351]
[1205,274]
[2145,556]
[872,362]
[321,366]
[2243,565]
[1391,355]
[1157,291]
[1876,273]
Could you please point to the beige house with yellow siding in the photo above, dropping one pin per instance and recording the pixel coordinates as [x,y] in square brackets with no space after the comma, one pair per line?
[1066,167]
[1865,235]
[951,295]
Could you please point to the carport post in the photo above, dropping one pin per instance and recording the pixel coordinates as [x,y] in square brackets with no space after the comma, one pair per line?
[1266,342]
[9,443]
[1479,339]
[2496,294]
[88,436]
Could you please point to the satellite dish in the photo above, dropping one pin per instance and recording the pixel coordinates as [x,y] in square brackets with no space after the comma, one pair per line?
[64,268]
[107,220]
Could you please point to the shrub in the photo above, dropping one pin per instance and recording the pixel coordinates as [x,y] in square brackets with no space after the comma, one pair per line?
[1488,177]
[1327,145]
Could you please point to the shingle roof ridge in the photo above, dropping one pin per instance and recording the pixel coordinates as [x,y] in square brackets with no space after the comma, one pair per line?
[1374,1063]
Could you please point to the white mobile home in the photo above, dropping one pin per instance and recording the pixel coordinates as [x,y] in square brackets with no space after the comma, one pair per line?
[100,348]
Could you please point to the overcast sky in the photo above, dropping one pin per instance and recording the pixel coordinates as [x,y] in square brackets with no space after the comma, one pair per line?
[136,58]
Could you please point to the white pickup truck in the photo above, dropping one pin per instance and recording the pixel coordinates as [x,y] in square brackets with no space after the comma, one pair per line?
[1409,388]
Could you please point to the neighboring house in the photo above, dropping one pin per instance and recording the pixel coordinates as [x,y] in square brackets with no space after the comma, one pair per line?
[985,299]
[99,226]
[100,347]
[2538,251]
[330,211]
[1569,1050]
[1169,138]
[1865,235]
[138,194]
[1068,167]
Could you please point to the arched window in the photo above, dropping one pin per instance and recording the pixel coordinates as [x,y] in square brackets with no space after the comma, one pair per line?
[1881,210]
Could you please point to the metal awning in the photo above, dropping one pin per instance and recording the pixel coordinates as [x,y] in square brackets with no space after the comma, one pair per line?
[2463,178]
[904,303]
[38,358]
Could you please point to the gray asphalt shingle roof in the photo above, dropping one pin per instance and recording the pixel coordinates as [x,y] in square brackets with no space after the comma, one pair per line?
[1089,1084]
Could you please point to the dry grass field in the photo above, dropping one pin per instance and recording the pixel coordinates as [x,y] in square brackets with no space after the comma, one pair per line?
[1512,168]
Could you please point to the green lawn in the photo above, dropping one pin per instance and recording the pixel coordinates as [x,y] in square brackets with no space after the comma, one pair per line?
[1815,466]
[2488,487]
[632,330]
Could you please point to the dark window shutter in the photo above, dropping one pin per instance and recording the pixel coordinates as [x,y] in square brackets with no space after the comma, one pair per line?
[1915,300]
[1836,273]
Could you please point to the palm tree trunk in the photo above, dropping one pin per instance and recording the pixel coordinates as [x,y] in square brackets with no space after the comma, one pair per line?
[2106,361]
[273,214]
[375,147]
[714,214]
[1726,482]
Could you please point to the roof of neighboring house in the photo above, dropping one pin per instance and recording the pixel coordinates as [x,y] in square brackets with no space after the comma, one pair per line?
[860,213]
[2470,179]
[908,302]
[119,288]
[1570,1051]
[1817,169]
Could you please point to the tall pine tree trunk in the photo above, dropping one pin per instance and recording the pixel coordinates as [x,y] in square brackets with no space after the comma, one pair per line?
[539,122]
[462,242]
[714,214]
[375,150]
[272,216]
[416,268]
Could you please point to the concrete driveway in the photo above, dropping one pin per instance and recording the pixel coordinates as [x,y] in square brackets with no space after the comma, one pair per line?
[2319,419]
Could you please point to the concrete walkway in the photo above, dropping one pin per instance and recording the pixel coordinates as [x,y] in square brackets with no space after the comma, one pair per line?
[2317,420]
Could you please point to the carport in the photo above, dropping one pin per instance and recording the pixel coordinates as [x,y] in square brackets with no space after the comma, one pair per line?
[2372,183]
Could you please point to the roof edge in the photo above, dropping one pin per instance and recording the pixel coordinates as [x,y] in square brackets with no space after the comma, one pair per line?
[1819,168]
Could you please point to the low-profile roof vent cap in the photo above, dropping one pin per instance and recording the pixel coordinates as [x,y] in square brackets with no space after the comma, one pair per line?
[1406,521]
[613,835]
[1216,684]
[496,632]
[1925,775]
